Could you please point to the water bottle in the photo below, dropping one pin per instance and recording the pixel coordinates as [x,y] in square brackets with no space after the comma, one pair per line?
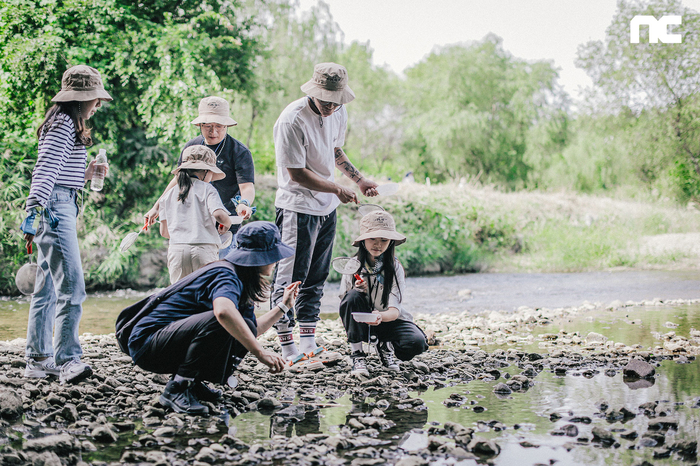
[98,178]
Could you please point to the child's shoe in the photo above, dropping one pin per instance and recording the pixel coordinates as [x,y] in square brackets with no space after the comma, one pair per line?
[386,354]
[359,363]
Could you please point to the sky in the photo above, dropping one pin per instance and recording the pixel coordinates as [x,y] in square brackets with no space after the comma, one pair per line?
[403,32]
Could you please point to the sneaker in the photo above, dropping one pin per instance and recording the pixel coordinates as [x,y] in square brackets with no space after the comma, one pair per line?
[204,392]
[74,371]
[386,354]
[179,397]
[359,363]
[40,369]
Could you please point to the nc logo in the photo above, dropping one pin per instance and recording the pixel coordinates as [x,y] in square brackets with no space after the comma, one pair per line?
[658,30]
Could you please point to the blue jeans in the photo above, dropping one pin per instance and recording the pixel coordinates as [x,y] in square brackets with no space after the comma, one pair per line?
[56,309]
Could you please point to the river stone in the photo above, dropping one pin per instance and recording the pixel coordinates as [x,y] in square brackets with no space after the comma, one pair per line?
[61,444]
[165,432]
[686,447]
[206,455]
[46,458]
[10,405]
[638,368]
[104,434]
[412,461]
[603,436]
[502,389]
[484,447]
[595,338]
[663,423]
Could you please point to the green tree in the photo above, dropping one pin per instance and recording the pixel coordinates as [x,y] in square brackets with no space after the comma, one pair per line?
[657,83]
[468,110]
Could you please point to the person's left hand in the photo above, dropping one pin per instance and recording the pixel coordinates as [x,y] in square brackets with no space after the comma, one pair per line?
[291,292]
[379,318]
[94,168]
[244,211]
[368,187]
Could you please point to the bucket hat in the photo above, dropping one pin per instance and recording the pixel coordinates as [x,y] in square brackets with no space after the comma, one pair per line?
[81,83]
[378,224]
[258,243]
[214,110]
[200,157]
[330,84]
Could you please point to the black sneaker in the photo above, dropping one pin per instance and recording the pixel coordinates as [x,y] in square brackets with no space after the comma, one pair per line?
[178,396]
[386,354]
[204,392]
[359,363]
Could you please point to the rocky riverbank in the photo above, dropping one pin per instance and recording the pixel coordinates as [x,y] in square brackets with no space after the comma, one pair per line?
[115,418]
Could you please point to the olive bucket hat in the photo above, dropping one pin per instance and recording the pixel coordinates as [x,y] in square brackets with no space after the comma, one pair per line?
[330,84]
[214,110]
[200,157]
[378,224]
[81,83]
[258,243]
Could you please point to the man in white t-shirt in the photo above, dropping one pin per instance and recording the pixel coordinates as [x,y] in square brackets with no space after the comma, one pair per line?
[309,135]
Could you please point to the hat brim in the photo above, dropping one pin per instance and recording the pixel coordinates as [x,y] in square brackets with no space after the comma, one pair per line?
[217,173]
[388,234]
[82,96]
[218,119]
[250,258]
[343,96]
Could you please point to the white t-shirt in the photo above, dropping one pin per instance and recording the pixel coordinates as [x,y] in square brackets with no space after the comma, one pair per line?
[192,222]
[301,142]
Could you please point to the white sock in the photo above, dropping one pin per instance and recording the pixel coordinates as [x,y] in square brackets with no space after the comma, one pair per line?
[307,337]
[355,347]
[289,349]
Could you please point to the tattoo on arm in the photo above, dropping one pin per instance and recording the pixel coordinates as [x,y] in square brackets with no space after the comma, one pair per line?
[346,167]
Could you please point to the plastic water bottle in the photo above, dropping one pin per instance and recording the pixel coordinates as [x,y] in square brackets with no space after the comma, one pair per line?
[98,178]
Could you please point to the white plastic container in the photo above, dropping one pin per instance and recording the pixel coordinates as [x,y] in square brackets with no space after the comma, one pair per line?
[98,178]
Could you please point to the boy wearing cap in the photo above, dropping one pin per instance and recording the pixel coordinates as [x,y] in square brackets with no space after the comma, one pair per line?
[309,135]
[232,157]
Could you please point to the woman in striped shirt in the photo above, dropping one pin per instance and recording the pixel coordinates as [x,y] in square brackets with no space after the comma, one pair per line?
[59,173]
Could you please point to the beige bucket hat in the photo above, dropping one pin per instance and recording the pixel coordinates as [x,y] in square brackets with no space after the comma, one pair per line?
[200,158]
[214,110]
[378,224]
[81,83]
[330,84]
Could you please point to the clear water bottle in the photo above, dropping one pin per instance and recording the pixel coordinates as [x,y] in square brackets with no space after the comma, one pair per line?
[98,178]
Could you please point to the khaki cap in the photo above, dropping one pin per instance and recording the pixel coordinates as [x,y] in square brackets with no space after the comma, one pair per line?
[378,224]
[330,84]
[200,158]
[81,83]
[214,110]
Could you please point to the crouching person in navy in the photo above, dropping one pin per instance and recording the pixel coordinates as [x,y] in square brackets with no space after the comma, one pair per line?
[198,328]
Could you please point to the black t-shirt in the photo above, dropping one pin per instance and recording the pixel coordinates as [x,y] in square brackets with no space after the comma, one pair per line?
[236,161]
[195,298]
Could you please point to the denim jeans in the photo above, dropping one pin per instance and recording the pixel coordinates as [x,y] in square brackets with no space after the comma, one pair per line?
[56,309]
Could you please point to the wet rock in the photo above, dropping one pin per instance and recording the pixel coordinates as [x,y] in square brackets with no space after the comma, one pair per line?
[617,414]
[594,338]
[638,368]
[484,447]
[62,444]
[10,405]
[570,430]
[502,389]
[46,458]
[269,403]
[663,453]
[636,384]
[686,447]
[629,434]
[603,436]
[663,423]
[165,432]
[104,434]
[412,461]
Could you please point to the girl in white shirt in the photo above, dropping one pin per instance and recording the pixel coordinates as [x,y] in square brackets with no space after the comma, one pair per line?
[378,291]
[190,211]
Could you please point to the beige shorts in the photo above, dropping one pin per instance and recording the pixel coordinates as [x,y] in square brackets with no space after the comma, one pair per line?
[183,259]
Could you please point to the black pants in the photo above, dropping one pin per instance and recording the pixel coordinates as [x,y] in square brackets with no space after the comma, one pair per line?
[312,238]
[197,347]
[408,339]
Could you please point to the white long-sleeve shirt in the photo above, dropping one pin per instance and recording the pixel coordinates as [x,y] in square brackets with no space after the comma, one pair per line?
[395,298]
[61,161]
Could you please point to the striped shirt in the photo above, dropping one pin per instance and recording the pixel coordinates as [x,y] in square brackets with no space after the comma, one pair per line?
[61,161]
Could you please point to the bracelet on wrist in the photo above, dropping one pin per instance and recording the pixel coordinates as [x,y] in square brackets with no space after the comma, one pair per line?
[283,307]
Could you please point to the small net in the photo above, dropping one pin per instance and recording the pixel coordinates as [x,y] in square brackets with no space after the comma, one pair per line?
[364,209]
[30,279]
[345,265]
[236,219]
[387,189]
[226,240]
[129,241]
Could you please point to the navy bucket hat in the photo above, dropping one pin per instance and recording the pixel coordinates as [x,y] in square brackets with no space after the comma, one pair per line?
[258,243]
